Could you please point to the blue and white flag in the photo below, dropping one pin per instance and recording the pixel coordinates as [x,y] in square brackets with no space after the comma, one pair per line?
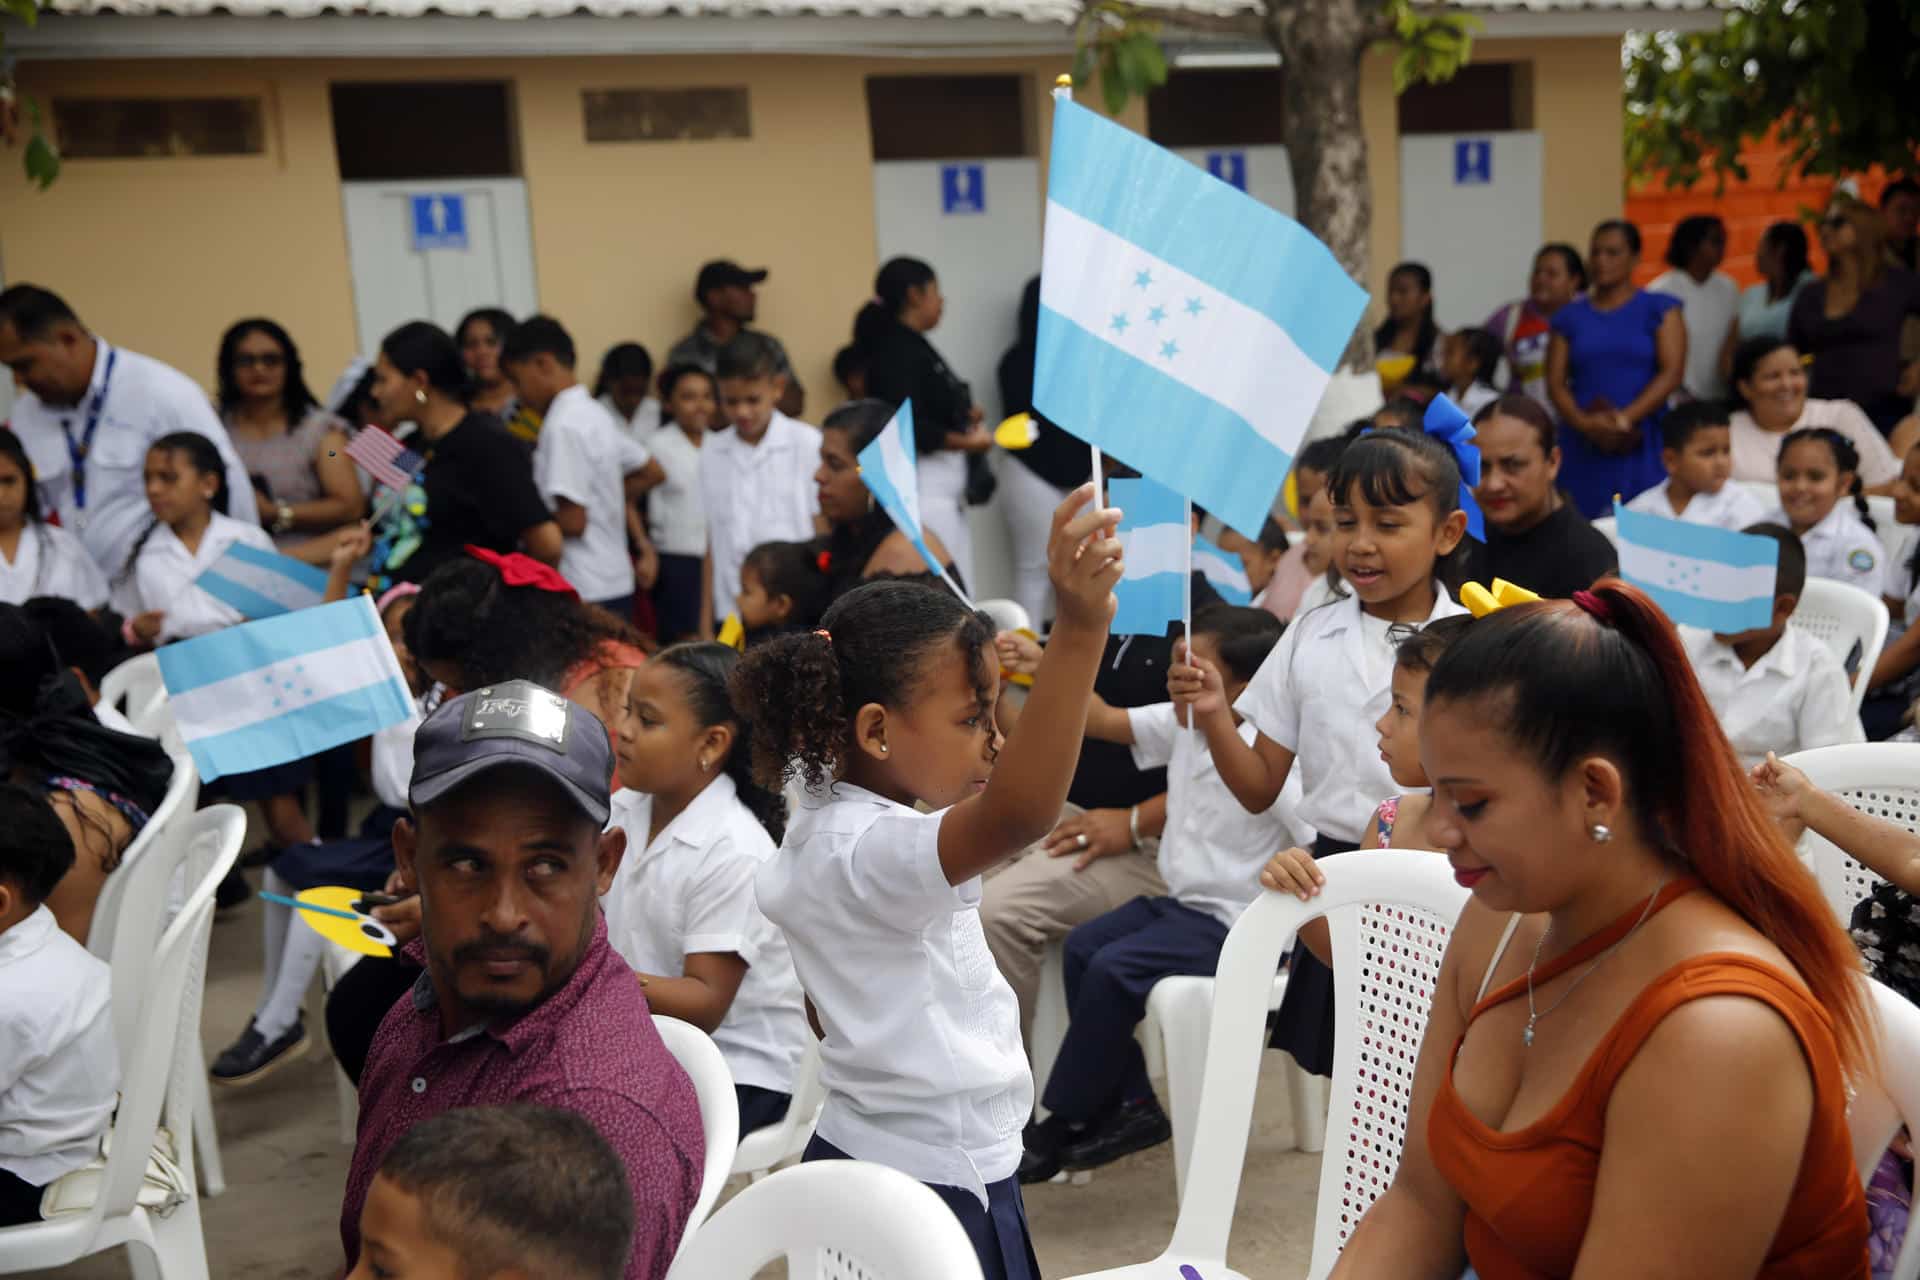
[266,693]
[1223,571]
[1154,543]
[262,584]
[1184,326]
[1701,575]
[886,466]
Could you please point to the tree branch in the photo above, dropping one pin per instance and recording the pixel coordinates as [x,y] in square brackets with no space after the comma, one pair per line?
[1249,24]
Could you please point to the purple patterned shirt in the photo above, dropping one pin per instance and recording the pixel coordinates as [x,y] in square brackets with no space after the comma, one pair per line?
[591,1048]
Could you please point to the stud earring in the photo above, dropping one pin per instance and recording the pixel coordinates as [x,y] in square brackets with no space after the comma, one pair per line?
[704,766]
[883,748]
[420,395]
[1600,833]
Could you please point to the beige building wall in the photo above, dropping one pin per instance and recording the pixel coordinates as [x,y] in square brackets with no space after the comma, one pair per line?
[162,254]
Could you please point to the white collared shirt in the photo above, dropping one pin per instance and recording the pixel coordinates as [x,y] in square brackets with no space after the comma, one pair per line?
[1212,850]
[755,494]
[1318,695]
[163,578]
[583,456]
[144,401]
[1794,698]
[51,561]
[1731,508]
[1841,547]
[59,1070]
[922,1062]
[690,890]
[676,507]
[644,422]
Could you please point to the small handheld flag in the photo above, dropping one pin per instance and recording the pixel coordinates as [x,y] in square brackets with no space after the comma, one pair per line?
[886,467]
[384,458]
[269,692]
[1154,541]
[1700,575]
[262,584]
[1223,572]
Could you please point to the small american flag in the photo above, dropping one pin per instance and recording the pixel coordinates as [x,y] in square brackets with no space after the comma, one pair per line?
[383,457]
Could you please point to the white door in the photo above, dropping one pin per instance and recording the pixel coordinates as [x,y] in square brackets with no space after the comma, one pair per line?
[436,249]
[977,222]
[1261,172]
[1470,210]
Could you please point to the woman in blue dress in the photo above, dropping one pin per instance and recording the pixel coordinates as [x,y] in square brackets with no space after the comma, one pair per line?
[1617,353]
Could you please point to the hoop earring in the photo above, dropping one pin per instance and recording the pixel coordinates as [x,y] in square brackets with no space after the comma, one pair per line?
[1599,833]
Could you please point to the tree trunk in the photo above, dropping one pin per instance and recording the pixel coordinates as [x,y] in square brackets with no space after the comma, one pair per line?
[1321,44]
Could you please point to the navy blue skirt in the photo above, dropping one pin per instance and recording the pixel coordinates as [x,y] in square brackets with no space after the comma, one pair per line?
[1304,1024]
[998,1232]
[260,784]
[360,862]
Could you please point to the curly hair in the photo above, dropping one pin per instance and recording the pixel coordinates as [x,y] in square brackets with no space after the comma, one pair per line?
[467,616]
[704,669]
[800,692]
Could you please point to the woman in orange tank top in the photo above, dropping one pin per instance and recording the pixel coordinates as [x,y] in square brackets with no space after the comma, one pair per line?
[1638,1057]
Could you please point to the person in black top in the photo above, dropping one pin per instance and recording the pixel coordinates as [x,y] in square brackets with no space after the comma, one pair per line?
[947,432]
[1536,537]
[477,484]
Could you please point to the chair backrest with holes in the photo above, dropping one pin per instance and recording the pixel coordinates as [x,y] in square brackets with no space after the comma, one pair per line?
[836,1220]
[166,824]
[1842,616]
[1882,1105]
[700,1058]
[1878,778]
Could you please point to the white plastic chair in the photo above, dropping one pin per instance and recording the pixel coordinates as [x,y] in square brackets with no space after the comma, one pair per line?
[159,1061]
[700,1058]
[763,1149]
[1878,778]
[1881,1106]
[1841,615]
[835,1220]
[166,827]
[1891,532]
[1007,615]
[1390,912]
[1606,526]
[133,686]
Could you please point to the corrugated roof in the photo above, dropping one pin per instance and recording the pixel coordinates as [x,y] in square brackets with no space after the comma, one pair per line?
[1040,11]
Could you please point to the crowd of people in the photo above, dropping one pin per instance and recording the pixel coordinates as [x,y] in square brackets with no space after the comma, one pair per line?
[866,817]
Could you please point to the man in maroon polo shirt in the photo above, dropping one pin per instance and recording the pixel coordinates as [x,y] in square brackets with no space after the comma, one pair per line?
[522,999]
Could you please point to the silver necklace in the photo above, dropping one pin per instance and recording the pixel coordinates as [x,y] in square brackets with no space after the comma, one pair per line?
[1534,1015]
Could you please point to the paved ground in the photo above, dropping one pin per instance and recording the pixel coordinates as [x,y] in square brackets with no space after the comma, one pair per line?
[285,1170]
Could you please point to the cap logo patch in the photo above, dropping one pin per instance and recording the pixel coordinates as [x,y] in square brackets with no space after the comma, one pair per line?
[520,710]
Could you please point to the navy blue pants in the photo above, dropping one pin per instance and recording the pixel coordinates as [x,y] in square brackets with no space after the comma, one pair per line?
[676,598]
[759,1107]
[1112,962]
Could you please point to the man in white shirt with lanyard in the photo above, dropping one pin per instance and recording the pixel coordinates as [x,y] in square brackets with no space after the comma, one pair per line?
[88,416]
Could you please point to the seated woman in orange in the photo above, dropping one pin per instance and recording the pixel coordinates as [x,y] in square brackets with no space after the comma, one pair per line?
[1643,1031]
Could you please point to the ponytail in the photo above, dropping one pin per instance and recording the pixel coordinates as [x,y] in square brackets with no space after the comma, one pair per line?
[890,289]
[1845,457]
[704,669]
[204,457]
[1605,675]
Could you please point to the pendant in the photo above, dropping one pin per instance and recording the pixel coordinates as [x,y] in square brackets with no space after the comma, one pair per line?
[1526,1037]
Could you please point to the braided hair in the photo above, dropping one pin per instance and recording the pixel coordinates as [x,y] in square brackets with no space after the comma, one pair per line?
[204,457]
[1845,457]
[704,669]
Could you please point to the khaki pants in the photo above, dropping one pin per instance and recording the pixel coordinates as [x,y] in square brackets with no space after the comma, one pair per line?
[1035,900]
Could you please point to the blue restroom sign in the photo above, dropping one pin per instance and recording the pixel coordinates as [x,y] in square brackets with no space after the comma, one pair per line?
[1473,162]
[963,188]
[1229,166]
[439,222]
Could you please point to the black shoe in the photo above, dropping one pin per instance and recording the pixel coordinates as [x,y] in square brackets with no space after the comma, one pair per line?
[251,1058]
[1043,1140]
[233,892]
[1134,1127]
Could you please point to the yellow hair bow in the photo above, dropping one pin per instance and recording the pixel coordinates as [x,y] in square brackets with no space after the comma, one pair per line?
[1481,601]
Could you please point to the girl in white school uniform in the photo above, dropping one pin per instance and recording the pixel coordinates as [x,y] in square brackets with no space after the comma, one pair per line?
[37,558]
[681,909]
[887,706]
[1398,526]
[1819,469]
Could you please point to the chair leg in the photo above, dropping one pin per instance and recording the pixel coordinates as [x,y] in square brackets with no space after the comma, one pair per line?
[206,1138]
[180,1245]
[1178,1015]
[1049,1022]
[1307,1096]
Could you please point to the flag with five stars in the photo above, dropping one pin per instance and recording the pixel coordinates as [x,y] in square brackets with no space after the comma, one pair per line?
[1701,575]
[1185,327]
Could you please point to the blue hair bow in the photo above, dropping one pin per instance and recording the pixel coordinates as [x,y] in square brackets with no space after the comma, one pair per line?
[1446,423]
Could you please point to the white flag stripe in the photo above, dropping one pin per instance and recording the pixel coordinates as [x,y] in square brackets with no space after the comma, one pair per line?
[900,473]
[1218,569]
[266,693]
[1702,579]
[1155,549]
[277,587]
[1220,347]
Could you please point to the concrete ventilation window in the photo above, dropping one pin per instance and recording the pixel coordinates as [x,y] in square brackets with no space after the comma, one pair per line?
[1485,97]
[383,131]
[947,117]
[1218,107]
[142,128]
[665,115]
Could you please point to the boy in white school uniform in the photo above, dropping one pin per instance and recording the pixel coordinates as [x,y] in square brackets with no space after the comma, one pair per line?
[1102,1105]
[1696,448]
[756,479]
[1775,688]
[59,1070]
[581,463]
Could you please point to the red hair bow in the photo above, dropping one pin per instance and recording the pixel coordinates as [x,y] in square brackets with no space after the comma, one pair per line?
[518,570]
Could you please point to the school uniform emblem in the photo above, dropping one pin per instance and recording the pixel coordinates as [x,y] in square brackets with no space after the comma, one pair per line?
[1861,561]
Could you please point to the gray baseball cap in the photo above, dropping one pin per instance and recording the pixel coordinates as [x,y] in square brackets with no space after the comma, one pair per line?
[516,723]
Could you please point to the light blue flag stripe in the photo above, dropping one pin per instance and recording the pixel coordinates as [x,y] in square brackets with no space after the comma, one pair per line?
[309,576]
[207,659]
[1147,605]
[887,463]
[1729,547]
[1170,429]
[1254,254]
[347,717]
[1722,617]
[1143,502]
[1229,590]
[249,602]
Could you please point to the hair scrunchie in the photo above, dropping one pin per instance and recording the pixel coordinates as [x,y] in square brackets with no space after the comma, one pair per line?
[1593,604]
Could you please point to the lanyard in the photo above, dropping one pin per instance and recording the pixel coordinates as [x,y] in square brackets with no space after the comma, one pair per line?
[77,450]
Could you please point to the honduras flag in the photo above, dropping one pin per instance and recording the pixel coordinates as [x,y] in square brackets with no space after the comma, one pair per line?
[886,465]
[1154,543]
[270,692]
[1701,575]
[261,584]
[1184,326]
[1223,572]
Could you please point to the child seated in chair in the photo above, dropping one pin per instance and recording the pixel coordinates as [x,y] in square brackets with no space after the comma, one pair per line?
[520,1191]
[1211,854]
[59,1071]
[1775,688]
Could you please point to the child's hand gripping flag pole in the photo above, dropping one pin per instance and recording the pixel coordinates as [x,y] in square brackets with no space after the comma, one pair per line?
[1184,326]
[1700,575]
[886,468]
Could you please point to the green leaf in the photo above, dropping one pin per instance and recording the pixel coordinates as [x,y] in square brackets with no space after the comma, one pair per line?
[42,161]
